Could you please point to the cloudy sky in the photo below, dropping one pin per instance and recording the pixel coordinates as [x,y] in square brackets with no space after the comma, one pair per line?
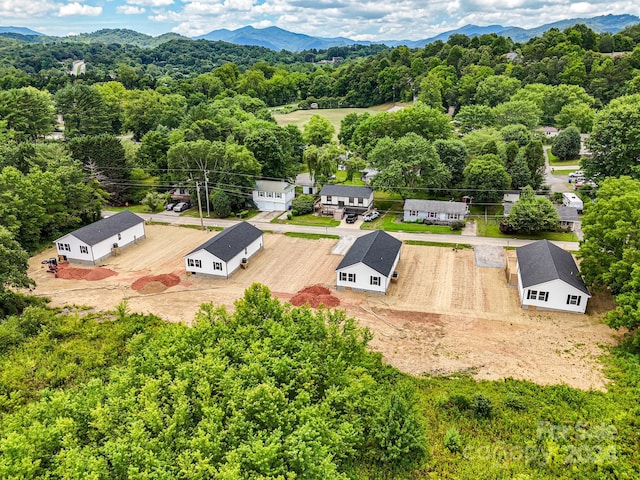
[356,19]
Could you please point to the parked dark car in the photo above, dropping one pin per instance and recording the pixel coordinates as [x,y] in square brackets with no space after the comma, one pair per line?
[181,207]
[352,218]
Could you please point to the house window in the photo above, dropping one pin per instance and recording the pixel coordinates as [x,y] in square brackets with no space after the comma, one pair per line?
[64,246]
[536,295]
[343,277]
[328,198]
[269,194]
[573,299]
[432,214]
[119,237]
[192,262]
[351,277]
[413,213]
[351,200]
[261,194]
[217,265]
[361,201]
[375,281]
[84,249]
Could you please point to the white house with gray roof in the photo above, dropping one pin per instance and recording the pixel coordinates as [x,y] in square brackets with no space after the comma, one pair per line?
[273,195]
[434,211]
[549,279]
[225,252]
[370,263]
[357,199]
[99,240]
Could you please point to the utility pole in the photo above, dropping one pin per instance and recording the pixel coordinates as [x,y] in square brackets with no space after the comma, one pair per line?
[206,190]
[199,204]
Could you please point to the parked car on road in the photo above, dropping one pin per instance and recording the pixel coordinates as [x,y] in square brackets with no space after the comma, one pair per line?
[169,206]
[352,218]
[370,216]
[181,207]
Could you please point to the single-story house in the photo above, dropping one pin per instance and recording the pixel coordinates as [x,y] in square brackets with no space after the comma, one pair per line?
[434,211]
[549,279]
[568,217]
[549,132]
[96,241]
[370,263]
[368,174]
[179,193]
[273,195]
[225,252]
[309,186]
[356,199]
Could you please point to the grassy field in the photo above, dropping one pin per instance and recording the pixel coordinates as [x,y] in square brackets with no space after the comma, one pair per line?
[300,118]
[311,236]
[310,220]
[341,178]
[490,229]
[390,223]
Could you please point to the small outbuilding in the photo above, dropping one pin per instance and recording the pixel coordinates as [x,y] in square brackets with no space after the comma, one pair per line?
[99,240]
[273,195]
[434,211]
[370,264]
[549,279]
[225,252]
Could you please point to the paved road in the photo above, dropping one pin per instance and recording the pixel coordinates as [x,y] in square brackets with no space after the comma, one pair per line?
[557,183]
[174,218]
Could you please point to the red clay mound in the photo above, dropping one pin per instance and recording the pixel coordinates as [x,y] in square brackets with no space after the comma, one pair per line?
[167,279]
[71,273]
[315,296]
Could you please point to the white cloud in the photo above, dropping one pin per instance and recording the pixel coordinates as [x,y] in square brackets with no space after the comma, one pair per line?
[151,3]
[76,8]
[130,10]
[25,9]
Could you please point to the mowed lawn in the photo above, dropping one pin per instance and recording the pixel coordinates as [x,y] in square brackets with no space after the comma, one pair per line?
[334,115]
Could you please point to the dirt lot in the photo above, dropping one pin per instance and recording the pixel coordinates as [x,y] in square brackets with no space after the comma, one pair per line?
[443,315]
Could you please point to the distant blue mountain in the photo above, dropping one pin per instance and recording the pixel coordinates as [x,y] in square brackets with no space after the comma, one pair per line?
[276,38]
[20,30]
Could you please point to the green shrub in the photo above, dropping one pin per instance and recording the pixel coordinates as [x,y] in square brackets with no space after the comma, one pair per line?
[302,204]
[457,225]
[481,406]
[461,402]
[453,440]
[515,402]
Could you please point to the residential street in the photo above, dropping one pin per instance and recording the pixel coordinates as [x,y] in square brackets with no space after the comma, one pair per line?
[170,217]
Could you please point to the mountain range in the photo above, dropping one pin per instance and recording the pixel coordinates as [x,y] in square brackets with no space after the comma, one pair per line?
[276,38]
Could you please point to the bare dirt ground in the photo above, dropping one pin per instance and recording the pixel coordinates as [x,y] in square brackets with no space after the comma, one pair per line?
[442,315]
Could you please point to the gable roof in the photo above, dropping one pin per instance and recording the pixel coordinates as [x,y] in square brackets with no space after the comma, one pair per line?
[273,186]
[231,241]
[346,191]
[378,250]
[567,214]
[101,230]
[542,261]
[438,206]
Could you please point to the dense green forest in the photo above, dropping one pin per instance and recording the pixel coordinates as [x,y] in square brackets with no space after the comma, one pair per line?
[274,392]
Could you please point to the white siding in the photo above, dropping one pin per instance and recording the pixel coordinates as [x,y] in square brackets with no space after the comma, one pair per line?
[557,296]
[415,215]
[347,201]
[207,261]
[363,278]
[273,201]
[100,250]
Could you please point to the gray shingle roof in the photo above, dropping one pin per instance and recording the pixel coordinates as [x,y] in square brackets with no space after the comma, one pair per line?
[377,250]
[231,241]
[567,214]
[438,206]
[101,230]
[273,186]
[542,261]
[346,191]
